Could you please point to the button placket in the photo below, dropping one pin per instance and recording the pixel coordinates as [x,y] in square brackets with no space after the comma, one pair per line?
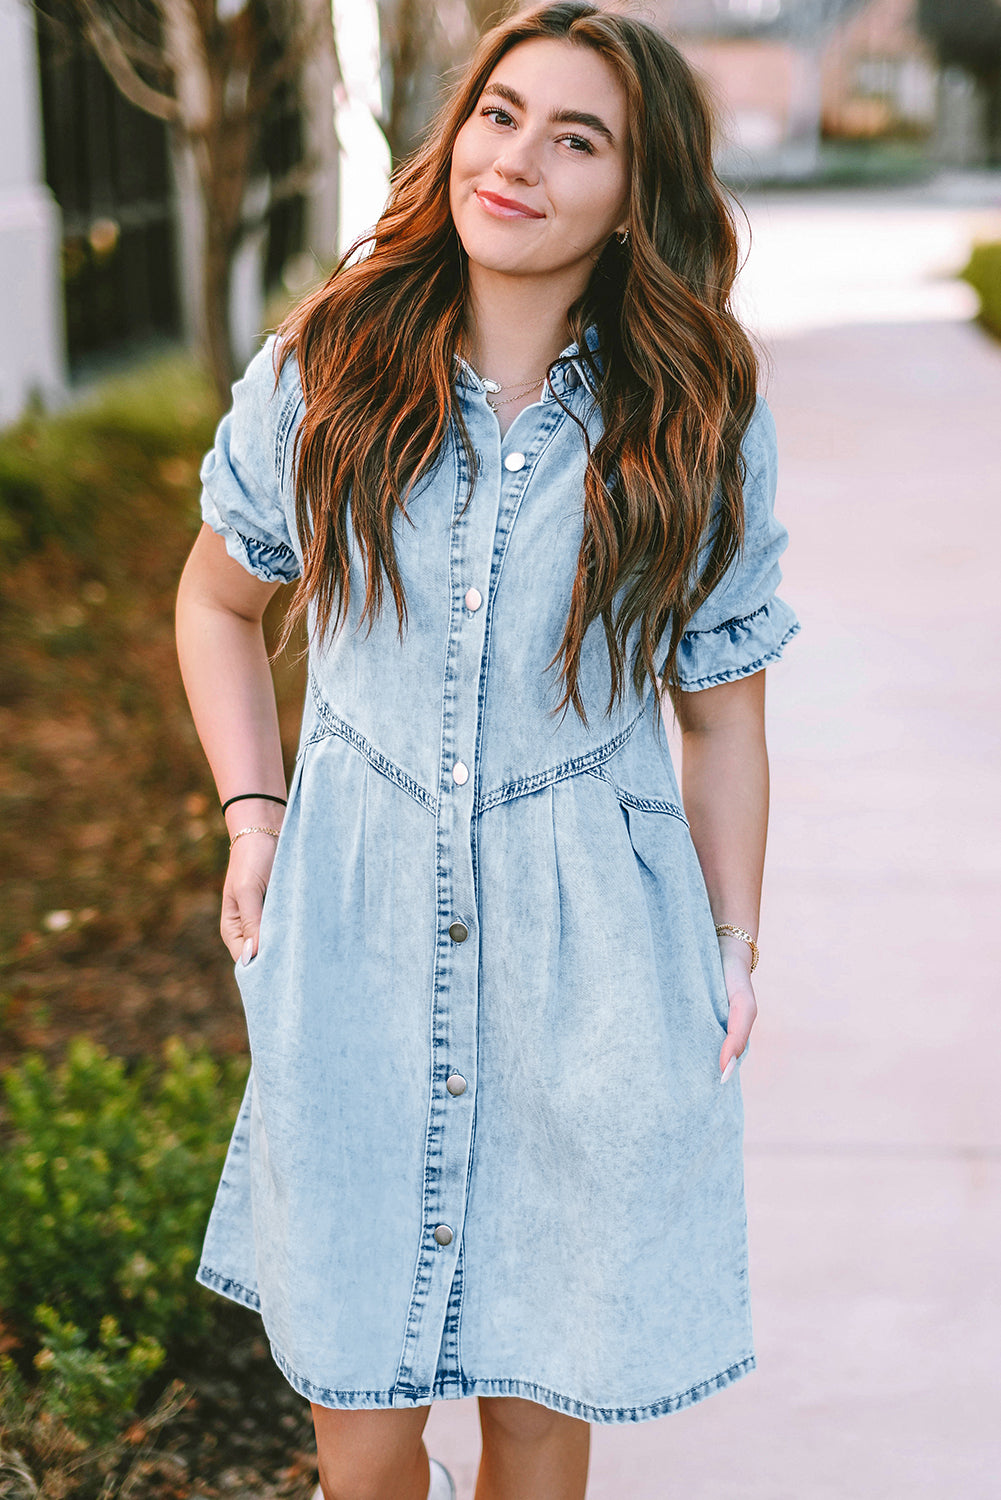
[477,545]
[456,976]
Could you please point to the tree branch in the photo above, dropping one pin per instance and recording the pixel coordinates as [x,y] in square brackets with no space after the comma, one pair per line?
[186,45]
[115,59]
[140,49]
[294,53]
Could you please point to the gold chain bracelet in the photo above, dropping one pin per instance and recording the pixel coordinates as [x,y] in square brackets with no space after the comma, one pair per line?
[274,832]
[738,932]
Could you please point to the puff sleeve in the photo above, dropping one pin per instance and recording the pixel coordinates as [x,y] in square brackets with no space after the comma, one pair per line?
[244,473]
[743,626]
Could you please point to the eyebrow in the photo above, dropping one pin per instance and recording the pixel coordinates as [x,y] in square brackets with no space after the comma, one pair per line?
[556,116]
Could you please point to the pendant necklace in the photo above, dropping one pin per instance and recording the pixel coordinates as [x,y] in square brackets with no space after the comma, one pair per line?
[492,387]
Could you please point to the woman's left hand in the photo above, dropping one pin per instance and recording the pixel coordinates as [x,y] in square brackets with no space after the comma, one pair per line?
[736,958]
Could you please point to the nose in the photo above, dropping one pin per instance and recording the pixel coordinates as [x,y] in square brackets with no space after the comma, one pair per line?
[518,159]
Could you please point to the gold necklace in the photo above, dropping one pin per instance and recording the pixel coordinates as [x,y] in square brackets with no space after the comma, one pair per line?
[492,387]
[526,390]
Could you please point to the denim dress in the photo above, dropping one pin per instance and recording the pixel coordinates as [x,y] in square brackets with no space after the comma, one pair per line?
[484,1148]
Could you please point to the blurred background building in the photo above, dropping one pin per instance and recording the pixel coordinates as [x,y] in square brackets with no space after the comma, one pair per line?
[792,77]
[791,74]
[111,224]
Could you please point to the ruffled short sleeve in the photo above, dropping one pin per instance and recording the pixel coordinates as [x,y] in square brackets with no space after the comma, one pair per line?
[245,473]
[743,625]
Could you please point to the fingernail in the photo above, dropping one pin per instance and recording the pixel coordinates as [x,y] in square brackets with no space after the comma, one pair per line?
[248,952]
[728,1070]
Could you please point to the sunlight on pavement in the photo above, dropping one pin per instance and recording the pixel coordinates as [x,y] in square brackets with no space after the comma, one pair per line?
[819,260]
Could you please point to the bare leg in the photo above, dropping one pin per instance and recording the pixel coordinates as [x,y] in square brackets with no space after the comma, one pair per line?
[372,1455]
[530,1452]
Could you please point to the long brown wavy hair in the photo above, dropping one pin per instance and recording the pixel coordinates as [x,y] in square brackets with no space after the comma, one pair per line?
[676,382]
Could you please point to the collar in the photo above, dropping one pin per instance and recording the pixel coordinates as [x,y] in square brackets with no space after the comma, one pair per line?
[569,372]
[573,354]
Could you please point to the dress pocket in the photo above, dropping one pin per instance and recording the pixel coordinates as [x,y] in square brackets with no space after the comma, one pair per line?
[276,909]
[678,910]
[265,939]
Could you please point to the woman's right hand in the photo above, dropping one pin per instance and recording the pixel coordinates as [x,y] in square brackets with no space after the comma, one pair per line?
[250,862]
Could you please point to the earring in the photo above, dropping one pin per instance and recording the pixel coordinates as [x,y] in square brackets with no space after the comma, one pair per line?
[622,235]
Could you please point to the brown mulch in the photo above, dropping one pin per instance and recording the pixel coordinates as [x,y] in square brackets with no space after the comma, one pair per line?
[243,1431]
[110,832]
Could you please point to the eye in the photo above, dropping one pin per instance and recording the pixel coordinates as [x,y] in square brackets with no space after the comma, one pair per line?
[580,145]
[493,110]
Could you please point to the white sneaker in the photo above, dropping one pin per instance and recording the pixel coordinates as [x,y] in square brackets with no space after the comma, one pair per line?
[442,1487]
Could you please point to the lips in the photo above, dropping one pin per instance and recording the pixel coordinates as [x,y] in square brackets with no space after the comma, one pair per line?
[505,208]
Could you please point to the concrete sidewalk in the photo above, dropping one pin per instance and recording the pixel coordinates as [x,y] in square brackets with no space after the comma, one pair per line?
[873,1127]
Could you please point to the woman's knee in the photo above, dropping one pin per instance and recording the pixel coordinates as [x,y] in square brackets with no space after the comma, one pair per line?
[523,1421]
[371,1455]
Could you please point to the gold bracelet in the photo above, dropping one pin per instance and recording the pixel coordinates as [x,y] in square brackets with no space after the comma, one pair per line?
[739,932]
[274,832]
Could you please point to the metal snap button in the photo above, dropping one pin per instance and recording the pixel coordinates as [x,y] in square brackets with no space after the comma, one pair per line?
[473,600]
[443,1234]
[460,773]
[455,1083]
[458,932]
[514,461]
[573,379]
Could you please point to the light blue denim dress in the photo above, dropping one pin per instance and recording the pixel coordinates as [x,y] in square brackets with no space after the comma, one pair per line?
[484,1148]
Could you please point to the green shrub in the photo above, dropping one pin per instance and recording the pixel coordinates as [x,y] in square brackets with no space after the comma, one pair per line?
[983,272]
[90,1389]
[75,476]
[106,1180]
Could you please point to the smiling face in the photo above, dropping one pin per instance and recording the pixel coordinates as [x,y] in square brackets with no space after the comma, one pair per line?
[540,174]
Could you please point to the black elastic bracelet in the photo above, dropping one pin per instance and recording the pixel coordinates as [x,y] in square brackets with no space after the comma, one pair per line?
[253,796]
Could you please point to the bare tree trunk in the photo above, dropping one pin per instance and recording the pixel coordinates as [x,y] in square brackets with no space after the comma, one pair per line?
[991,87]
[217,283]
[197,93]
[421,43]
[224,163]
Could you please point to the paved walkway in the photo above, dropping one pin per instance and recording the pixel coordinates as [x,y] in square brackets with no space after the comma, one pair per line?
[873,1127]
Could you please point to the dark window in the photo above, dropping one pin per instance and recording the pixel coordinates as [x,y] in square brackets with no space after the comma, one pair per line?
[281,150]
[108,166]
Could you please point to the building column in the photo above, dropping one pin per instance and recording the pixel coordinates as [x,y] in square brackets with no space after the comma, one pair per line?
[32,350]
[364,151]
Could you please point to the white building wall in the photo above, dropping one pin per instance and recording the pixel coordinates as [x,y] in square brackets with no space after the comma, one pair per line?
[365,160]
[32,346]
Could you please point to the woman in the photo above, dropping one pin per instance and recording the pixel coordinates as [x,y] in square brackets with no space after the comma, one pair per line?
[514,456]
